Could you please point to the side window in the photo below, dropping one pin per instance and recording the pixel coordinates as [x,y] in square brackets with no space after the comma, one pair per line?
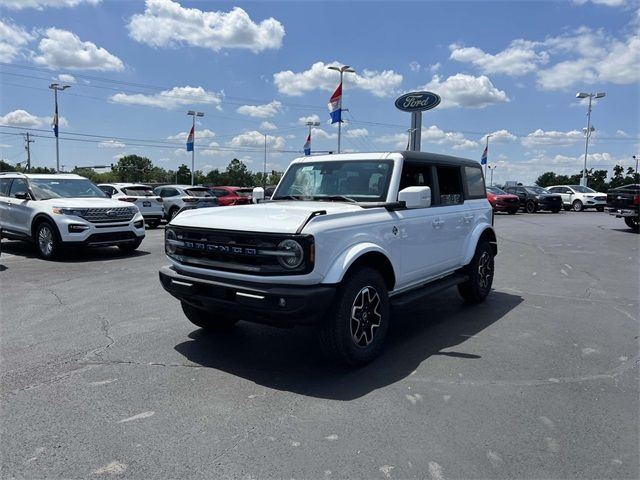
[218,192]
[4,186]
[18,185]
[475,182]
[450,185]
[417,175]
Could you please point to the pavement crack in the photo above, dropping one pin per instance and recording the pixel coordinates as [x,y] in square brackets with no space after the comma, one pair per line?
[52,292]
[137,363]
[244,438]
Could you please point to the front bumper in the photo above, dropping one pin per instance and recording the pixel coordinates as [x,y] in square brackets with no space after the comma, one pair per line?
[622,212]
[274,304]
[75,231]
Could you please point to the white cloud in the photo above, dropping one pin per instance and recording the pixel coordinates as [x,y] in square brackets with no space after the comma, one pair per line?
[118,156]
[64,49]
[167,24]
[320,134]
[169,99]
[519,58]
[414,66]
[255,139]
[261,111]
[435,67]
[310,118]
[42,4]
[200,133]
[356,132]
[463,90]
[65,77]
[380,84]
[621,133]
[500,136]
[22,118]
[111,144]
[268,126]
[552,137]
[606,3]
[13,38]
[431,135]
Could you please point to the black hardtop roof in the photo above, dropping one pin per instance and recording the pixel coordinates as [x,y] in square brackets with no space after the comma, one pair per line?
[438,158]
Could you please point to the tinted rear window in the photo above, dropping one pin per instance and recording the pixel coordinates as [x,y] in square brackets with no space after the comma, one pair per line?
[475,182]
[138,191]
[198,192]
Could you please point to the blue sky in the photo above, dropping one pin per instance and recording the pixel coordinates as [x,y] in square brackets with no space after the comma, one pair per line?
[509,69]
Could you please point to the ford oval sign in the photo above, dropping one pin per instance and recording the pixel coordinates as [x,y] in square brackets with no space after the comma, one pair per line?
[417,101]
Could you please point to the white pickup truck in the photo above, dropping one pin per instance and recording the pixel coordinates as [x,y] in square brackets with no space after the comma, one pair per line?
[342,238]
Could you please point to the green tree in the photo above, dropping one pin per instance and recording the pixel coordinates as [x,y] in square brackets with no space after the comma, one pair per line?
[6,167]
[183,175]
[238,175]
[133,168]
[216,177]
[547,179]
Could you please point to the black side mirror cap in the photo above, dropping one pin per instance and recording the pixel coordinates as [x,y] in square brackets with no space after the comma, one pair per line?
[22,195]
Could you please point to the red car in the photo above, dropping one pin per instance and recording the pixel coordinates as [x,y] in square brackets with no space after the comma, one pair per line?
[502,201]
[232,195]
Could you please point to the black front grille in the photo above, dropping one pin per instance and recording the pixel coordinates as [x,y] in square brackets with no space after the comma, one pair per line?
[243,252]
[111,237]
[104,215]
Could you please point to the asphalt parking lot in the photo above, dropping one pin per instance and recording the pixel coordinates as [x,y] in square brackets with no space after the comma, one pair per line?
[103,377]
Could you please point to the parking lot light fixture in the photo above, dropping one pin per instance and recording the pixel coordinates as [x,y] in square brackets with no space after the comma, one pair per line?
[588,130]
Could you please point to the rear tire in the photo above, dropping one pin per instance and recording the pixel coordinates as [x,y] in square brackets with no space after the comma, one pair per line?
[633,223]
[567,208]
[480,272]
[357,323]
[47,243]
[530,207]
[577,206]
[207,321]
[130,247]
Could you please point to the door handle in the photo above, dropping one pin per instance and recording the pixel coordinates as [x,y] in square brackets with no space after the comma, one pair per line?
[468,218]
[437,223]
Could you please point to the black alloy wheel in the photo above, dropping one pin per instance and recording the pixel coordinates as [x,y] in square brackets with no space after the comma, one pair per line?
[633,223]
[530,207]
[480,271]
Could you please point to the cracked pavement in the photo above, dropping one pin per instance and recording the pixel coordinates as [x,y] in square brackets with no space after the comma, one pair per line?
[103,377]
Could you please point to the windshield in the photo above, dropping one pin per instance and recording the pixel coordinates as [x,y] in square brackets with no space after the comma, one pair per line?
[363,181]
[200,192]
[496,191]
[45,188]
[138,191]
[537,190]
[581,189]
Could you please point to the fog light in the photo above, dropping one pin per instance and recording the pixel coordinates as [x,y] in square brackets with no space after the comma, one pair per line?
[139,224]
[77,228]
[282,303]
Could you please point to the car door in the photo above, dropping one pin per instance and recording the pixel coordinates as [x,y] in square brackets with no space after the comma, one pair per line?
[20,211]
[5,205]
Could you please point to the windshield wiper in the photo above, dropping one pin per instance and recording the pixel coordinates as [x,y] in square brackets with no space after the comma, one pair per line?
[285,197]
[334,198]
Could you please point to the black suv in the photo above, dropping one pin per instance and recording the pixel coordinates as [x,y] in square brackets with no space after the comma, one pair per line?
[534,198]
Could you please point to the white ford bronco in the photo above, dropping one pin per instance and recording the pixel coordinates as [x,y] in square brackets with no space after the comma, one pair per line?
[342,239]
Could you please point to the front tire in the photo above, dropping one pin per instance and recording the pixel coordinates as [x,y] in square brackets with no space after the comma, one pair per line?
[600,209]
[633,223]
[130,247]
[513,211]
[577,206]
[480,272]
[207,321]
[358,321]
[47,242]
[153,224]
[530,207]
[555,210]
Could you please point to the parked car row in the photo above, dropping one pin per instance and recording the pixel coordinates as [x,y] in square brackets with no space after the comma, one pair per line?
[533,198]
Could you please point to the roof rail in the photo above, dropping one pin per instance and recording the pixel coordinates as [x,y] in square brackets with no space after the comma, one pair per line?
[13,173]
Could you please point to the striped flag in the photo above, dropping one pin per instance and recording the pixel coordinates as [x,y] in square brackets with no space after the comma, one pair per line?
[483,160]
[190,140]
[54,124]
[307,146]
[335,105]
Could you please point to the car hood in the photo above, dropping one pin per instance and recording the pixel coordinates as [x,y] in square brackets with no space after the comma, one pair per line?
[278,217]
[86,202]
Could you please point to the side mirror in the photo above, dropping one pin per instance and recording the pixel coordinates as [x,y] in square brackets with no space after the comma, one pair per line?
[415,197]
[22,195]
[257,195]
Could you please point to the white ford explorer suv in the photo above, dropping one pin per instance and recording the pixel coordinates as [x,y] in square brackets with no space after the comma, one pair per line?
[62,210]
[342,238]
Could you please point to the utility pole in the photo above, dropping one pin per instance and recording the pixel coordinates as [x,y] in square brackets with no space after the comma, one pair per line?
[55,87]
[342,70]
[588,130]
[492,168]
[27,147]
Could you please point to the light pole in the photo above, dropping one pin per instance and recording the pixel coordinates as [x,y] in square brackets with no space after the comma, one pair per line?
[492,168]
[311,125]
[588,131]
[55,87]
[342,70]
[193,149]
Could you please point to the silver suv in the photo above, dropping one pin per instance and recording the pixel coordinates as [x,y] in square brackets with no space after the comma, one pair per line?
[63,210]
[177,198]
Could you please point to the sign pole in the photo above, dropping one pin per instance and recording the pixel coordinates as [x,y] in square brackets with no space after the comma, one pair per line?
[416,131]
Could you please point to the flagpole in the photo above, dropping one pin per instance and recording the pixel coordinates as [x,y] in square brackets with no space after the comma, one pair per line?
[487,159]
[344,68]
[193,150]
[56,119]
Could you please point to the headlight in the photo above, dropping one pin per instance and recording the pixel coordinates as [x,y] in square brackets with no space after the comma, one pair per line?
[290,254]
[78,212]
[170,241]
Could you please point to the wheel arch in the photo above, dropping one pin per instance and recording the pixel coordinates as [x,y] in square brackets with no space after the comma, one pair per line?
[481,233]
[361,255]
[38,219]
